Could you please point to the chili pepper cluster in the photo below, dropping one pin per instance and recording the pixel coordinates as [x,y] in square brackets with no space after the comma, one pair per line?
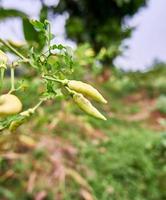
[10,104]
[81,89]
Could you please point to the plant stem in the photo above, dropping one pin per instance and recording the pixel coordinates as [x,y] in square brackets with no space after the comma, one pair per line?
[13,49]
[49,36]
[71,92]
[64,82]
[12,80]
[30,111]
[2,71]
[37,105]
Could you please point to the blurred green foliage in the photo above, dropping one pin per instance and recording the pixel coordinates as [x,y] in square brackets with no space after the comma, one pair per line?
[118,159]
[130,167]
[161,103]
[101,23]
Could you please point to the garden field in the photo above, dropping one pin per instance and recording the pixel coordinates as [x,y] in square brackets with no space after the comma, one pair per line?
[61,153]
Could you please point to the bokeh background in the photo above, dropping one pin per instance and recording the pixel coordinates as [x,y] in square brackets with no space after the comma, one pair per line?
[119,47]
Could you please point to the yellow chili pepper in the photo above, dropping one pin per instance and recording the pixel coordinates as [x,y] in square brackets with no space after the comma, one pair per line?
[86,90]
[86,106]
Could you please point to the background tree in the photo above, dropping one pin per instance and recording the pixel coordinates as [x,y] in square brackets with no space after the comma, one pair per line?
[99,22]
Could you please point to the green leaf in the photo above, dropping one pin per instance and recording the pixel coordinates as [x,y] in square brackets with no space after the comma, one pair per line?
[53,47]
[43,13]
[32,35]
[39,26]
[4,123]
[5,13]
[60,47]
[58,92]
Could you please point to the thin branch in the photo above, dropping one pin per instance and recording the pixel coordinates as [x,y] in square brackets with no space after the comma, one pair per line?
[2,72]
[64,82]
[14,50]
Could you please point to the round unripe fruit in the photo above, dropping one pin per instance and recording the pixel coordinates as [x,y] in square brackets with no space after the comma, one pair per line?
[9,105]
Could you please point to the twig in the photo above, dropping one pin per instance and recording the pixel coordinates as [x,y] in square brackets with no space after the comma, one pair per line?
[54,79]
[14,50]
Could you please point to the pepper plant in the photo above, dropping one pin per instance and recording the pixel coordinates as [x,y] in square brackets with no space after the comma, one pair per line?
[54,65]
